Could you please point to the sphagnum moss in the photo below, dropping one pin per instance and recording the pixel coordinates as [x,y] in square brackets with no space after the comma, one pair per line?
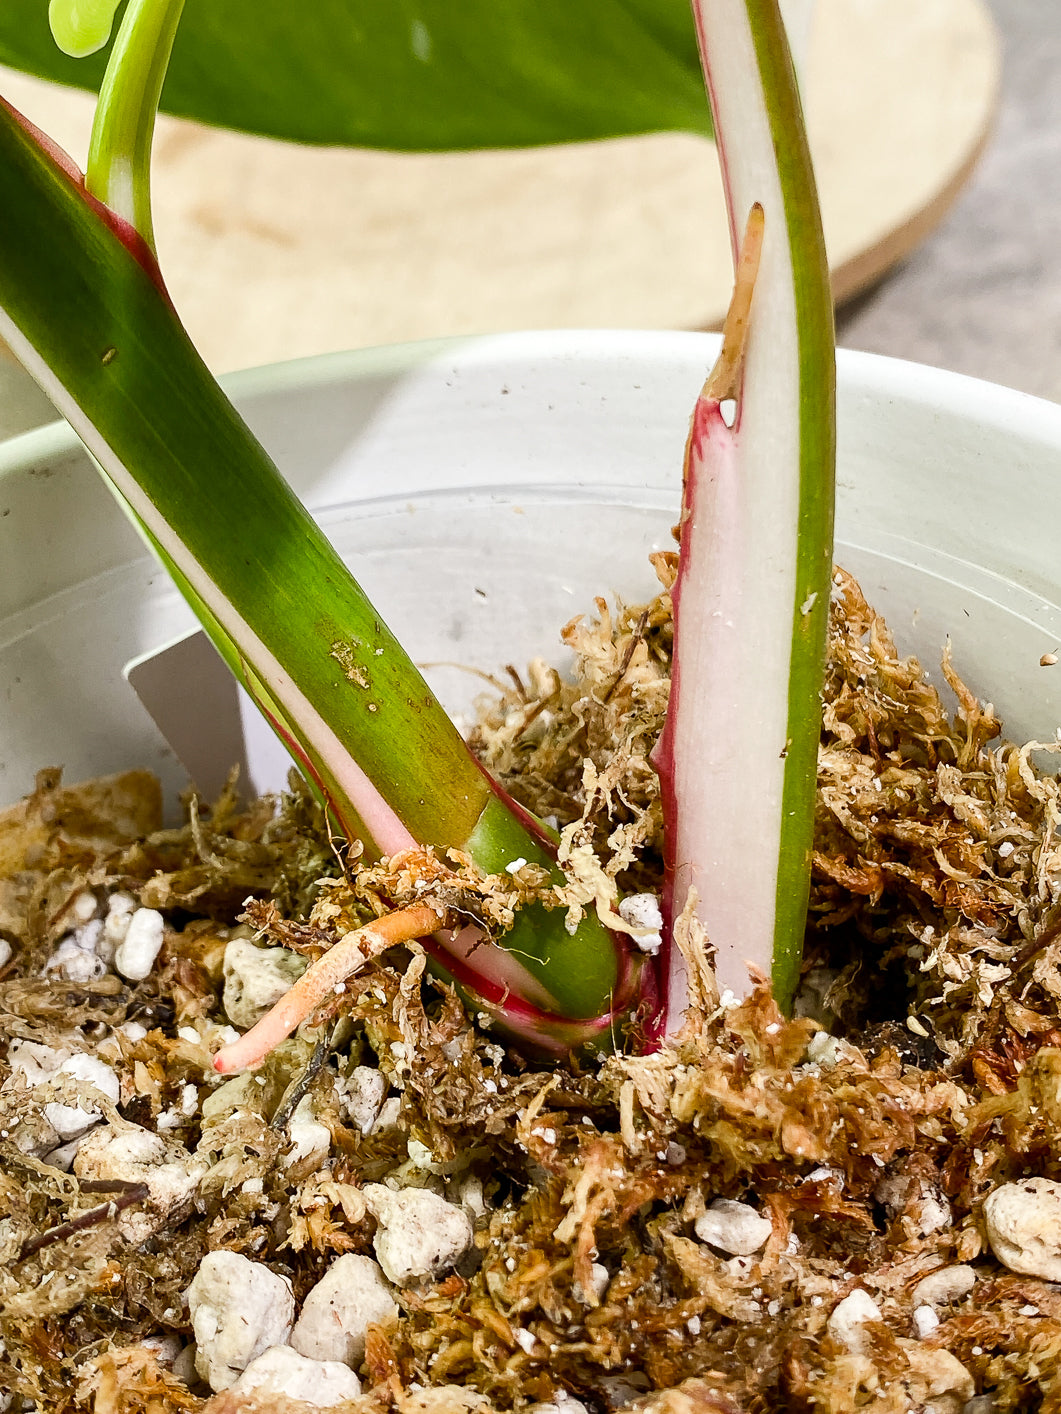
[932,944]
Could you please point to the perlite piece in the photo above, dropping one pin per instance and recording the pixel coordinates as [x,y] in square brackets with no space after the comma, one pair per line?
[239,1309]
[361,1096]
[733,1227]
[135,955]
[256,978]
[352,1295]
[310,1138]
[943,1285]
[71,1121]
[419,1233]
[135,1155]
[1024,1227]
[850,1316]
[283,1371]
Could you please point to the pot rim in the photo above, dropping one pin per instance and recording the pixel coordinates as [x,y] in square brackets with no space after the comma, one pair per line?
[989,404]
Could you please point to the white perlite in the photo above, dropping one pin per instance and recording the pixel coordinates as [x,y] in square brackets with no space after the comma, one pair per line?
[63,1156]
[1024,1227]
[165,1348]
[35,1065]
[564,1403]
[470,1196]
[77,956]
[445,1399]
[83,906]
[850,1315]
[120,909]
[830,1051]
[940,1383]
[943,1285]
[419,1233]
[238,1309]
[389,1114]
[32,1062]
[138,1156]
[921,1205]
[310,1139]
[642,912]
[739,1267]
[136,953]
[421,1157]
[256,978]
[352,1295]
[184,1366]
[733,1227]
[282,1371]
[71,1121]
[599,1279]
[361,1096]
[925,1322]
[931,1212]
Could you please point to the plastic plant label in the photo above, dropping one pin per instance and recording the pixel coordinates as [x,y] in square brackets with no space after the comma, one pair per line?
[209,722]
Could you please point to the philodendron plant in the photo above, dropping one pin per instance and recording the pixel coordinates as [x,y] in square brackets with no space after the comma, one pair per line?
[83,304]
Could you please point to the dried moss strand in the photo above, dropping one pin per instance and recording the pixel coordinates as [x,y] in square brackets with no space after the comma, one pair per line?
[88,1219]
[300,1087]
[724,380]
[107,1185]
[319,981]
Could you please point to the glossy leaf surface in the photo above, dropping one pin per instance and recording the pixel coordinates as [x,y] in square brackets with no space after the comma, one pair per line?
[412,74]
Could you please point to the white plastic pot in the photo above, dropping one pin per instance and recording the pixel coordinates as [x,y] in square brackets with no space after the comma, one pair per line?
[485,490]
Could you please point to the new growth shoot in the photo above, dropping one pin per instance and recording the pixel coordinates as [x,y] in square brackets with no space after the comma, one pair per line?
[118,171]
[737,759]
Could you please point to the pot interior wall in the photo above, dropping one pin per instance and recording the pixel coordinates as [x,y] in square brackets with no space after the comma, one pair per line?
[485,491]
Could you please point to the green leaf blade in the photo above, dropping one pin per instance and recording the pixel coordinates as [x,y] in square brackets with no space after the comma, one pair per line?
[107,333]
[424,76]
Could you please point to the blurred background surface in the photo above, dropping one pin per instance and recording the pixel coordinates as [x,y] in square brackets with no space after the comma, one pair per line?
[273,251]
[983,294]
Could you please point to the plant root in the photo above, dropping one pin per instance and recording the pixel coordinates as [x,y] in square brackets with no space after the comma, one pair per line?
[320,980]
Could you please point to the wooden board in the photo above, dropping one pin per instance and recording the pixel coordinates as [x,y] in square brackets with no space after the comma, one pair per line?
[273,251]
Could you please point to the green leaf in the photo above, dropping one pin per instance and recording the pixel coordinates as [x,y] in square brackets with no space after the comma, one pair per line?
[413,74]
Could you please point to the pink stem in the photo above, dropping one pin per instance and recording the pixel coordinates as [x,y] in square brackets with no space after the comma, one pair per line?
[320,980]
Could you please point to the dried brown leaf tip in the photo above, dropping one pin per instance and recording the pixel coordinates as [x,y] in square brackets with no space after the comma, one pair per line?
[771,1214]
